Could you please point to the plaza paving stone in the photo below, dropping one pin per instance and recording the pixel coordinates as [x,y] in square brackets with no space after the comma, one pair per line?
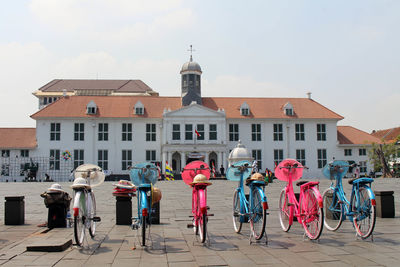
[173,244]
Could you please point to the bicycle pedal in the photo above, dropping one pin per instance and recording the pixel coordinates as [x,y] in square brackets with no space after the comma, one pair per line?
[191,216]
[290,204]
[96,219]
[210,214]
[134,226]
[208,208]
[190,225]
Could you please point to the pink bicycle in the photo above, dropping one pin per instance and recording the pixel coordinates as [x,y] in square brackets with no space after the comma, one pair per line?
[196,174]
[309,209]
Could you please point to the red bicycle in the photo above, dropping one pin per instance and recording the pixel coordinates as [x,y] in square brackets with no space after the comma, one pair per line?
[196,174]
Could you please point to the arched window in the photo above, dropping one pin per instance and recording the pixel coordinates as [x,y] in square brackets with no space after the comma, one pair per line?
[91,108]
[139,108]
[245,109]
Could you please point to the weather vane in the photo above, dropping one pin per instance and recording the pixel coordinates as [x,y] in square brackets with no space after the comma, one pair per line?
[191,52]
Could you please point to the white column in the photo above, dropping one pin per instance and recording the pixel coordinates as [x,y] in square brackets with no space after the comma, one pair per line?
[183,160]
[163,159]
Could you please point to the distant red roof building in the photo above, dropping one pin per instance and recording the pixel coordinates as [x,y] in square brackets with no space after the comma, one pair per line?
[388,135]
[18,138]
[348,135]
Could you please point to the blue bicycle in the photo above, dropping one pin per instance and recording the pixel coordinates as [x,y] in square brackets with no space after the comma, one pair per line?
[361,209]
[253,210]
[143,176]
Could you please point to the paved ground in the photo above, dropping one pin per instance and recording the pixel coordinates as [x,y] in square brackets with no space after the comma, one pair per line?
[175,245]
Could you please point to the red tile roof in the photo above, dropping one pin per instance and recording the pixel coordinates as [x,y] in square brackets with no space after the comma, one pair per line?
[18,138]
[120,86]
[122,107]
[388,135]
[348,135]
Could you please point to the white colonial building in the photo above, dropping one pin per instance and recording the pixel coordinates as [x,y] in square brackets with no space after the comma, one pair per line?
[115,130]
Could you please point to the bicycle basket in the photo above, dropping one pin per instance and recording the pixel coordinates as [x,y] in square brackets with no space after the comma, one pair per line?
[97,176]
[188,175]
[143,173]
[335,168]
[233,174]
[285,174]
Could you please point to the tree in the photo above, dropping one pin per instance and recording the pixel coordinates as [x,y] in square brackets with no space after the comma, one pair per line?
[381,154]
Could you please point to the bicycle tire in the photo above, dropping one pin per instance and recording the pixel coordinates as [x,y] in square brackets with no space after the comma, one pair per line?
[312,215]
[143,231]
[364,217]
[237,224]
[333,212]
[203,228]
[92,227]
[258,215]
[79,224]
[285,211]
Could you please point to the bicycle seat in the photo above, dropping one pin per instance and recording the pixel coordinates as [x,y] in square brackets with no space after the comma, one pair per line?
[361,180]
[254,182]
[299,183]
[352,180]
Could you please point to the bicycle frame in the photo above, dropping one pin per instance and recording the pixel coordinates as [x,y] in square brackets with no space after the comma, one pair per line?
[144,205]
[81,197]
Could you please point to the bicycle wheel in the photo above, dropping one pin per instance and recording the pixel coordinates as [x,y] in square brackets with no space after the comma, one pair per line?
[285,211]
[203,228]
[333,210]
[80,220]
[258,215]
[143,231]
[237,224]
[312,215]
[92,214]
[364,213]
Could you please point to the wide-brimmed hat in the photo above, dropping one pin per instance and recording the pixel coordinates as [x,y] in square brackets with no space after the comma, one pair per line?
[55,188]
[156,195]
[257,177]
[200,179]
[80,183]
[124,184]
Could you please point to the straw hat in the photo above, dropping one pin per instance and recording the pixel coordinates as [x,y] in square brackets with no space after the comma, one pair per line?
[124,184]
[80,183]
[156,195]
[257,177]
[200,179]
[55,188]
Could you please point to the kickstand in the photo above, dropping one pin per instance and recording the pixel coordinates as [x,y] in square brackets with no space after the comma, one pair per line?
[258,241]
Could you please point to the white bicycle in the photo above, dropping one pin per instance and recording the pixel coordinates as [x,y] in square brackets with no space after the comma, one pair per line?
[86,177]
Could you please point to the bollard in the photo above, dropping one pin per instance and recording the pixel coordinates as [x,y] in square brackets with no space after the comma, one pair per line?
[124,210]
[14,212]
[155,213]
[384,204]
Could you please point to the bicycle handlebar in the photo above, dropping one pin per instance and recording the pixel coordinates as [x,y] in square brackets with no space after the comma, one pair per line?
[89,170]
[341,166]
[147,167]
[294,166]
[196,169]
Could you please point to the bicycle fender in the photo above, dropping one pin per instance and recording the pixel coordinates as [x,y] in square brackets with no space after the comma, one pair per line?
[319,197]
[371,194]
[264,197]
[202,200]
[77,200]
[143,200]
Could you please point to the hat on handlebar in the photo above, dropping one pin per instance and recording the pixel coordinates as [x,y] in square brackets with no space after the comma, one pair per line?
[80,183]
[200,179]
[155,195]
[257,177]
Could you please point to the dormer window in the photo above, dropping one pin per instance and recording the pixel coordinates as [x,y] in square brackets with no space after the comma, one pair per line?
[91,108]
[288,109]
[244,109]
[139,108]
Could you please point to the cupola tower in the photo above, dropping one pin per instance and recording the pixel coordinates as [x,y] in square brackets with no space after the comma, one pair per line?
[191,81]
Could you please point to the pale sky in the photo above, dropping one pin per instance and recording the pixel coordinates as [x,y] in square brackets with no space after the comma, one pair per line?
[345,52]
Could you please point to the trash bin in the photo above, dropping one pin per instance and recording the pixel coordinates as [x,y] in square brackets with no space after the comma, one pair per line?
[155,213]
[384,204]
[123,210]
[14,211]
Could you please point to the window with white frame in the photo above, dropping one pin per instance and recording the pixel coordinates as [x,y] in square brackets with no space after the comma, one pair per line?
[79,131]
[213,132]
[24,153]
[363,166]
[79,158]
[5,153]
[150,155]
[256,132]
[347,152]
[362,152]
[244,109]
[188,132]
[126,131]
[321,132]
[257,156]
[54,160]
[321,153]
[176,132]
[278,132]
[102,159]
[301,156]
[150,132]
[55,131]
[91,108]
[103,132]
[299,127]
[139,108]
[234,132]
[200,130]
[288,108]
[278,156]
[126,159]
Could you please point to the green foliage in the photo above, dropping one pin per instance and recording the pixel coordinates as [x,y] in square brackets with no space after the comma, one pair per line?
[381,154]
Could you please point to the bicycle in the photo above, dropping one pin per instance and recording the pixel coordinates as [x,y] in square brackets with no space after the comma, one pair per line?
[143,176]
[361,209]
[308,209]
[255,208]
[196,174]
[86,176]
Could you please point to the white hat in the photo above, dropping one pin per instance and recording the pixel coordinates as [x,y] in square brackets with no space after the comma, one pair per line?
[55,188]
[80,183]
[200,179]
